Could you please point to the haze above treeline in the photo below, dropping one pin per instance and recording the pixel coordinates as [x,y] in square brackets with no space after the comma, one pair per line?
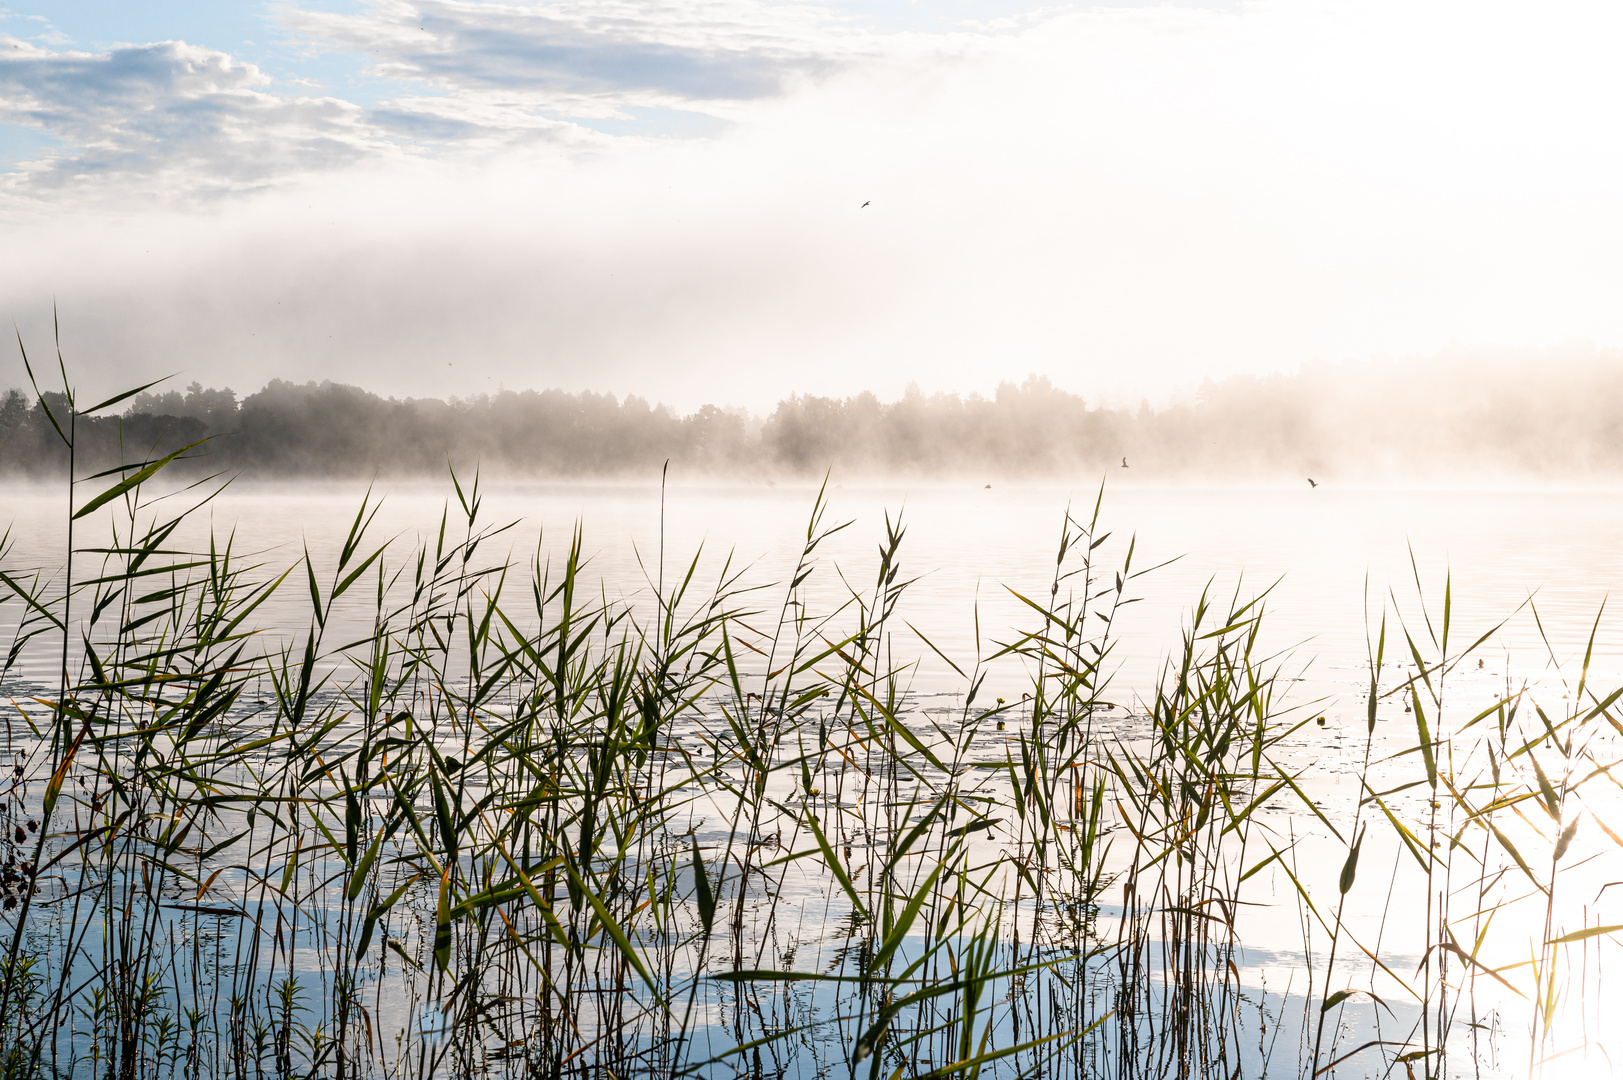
[1555,416]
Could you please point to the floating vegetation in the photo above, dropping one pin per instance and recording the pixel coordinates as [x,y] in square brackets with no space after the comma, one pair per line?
[521,829]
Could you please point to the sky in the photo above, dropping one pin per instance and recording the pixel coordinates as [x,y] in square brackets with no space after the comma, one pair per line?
[732,200]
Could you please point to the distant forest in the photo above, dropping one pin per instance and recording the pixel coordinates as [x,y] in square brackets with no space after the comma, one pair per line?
[1538,416]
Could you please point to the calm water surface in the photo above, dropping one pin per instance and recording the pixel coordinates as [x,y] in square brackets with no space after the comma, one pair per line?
[1329,555]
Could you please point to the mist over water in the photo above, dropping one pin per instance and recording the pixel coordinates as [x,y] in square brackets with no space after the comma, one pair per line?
[1330,560]
[1471,417]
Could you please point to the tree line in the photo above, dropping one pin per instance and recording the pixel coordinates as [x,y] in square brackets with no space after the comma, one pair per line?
[1549,416]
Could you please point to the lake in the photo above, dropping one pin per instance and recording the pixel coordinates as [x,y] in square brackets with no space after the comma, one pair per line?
[1541,562]
[1333,558]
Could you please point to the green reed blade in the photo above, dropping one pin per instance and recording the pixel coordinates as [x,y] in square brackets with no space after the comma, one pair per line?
[116,398]
[615,933]
[1426,749]
[833,864]
[705,898]
[970,1067]
[140,477]
[904,921]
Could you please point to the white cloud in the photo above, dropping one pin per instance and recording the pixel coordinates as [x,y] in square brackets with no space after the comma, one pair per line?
[169,117]
[44,33]
[187,121]
[504,73]
[652,52]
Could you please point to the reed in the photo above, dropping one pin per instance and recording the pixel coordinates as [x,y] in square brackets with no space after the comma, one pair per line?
[518,828]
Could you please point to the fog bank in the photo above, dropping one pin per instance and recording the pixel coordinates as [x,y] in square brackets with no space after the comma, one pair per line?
[1551,416]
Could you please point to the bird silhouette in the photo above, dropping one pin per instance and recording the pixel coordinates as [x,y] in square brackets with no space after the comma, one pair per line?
[1124,463]
[1312,481]
[864,206]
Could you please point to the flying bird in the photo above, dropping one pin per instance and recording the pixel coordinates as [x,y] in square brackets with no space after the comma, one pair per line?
[1312,481]
[864,206]
[1124,463]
